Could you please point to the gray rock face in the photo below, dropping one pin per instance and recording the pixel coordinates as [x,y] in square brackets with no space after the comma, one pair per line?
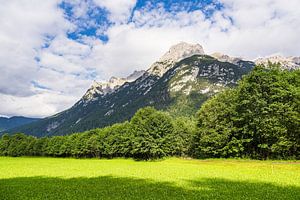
[289,63]
[226,58]
[176,53]
[182,50]
[104,88]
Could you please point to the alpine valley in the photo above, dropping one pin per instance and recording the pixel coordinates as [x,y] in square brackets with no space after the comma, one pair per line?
[178,83]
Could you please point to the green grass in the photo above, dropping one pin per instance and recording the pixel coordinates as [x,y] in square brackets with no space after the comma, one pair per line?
[58,178]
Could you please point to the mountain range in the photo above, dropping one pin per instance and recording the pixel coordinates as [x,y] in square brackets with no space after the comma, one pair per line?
[16,121]
[178,83]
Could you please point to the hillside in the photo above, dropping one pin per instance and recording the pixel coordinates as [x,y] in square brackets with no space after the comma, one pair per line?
[12,122]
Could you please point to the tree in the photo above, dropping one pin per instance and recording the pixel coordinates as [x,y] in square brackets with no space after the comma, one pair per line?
[183,132]
[217,136]
[269,113]
[258,119]
[4,144]
[152,132]
[17,145]
[117,140]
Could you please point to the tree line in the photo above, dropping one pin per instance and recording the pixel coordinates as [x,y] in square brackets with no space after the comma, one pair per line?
[260,118]
[150,134]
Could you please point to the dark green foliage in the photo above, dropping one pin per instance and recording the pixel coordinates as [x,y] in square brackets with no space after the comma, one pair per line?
[116,140]
[150,134]
[258,119]
[4,145]
[17,145]
[215,127]
[153,134]
[184,130]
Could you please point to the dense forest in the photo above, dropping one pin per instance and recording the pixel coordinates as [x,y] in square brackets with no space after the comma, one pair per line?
[259,119]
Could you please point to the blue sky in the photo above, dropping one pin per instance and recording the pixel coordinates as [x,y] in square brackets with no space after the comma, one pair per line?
[98,16]
[52,50]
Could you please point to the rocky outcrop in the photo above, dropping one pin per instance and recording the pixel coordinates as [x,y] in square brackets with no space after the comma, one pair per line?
[102,88]
[289,63]
[225,58]
[176,53]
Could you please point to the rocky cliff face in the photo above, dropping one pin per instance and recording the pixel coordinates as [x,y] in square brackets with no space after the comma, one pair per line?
[225,58]
[175,54]
[103,88]
[289,63]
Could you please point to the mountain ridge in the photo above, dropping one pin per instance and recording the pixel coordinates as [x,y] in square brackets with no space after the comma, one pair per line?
[290,62]
[103,88]
[14,121]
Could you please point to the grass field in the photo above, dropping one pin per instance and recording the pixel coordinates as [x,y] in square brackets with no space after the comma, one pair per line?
[58,178]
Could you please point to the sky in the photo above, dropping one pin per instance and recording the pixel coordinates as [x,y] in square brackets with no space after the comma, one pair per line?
[52,50]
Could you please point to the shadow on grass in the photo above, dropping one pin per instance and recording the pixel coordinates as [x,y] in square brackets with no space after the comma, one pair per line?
[108,187]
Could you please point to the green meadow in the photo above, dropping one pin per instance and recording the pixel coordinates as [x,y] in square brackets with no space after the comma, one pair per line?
[174,178]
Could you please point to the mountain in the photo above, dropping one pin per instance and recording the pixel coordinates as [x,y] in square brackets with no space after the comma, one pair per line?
[104,88]
[289,63]
[13,122]
[225,58]
[179,82]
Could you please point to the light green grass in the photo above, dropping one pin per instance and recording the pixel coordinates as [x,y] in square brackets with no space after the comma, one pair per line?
[58,178]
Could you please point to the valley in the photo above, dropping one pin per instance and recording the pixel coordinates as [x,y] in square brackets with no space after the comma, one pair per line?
[146,100]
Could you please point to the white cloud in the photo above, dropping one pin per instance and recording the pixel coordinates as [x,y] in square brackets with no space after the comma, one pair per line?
[38,105]
[24,28]
[263,27]
[120,10]
[230,30]
[66,67]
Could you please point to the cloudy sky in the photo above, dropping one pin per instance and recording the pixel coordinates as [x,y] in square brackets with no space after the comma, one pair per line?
[52,50]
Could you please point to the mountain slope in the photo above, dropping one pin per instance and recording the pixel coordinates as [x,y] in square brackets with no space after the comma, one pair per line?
[178,83]
[12,122]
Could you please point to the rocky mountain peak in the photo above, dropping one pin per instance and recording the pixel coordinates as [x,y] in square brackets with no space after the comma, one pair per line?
[95,89]
[182,50]
[115,81]
[103,88]
[135,75]
[286,62]
[225,58]
[176,53]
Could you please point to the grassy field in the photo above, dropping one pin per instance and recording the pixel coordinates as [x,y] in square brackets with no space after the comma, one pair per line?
[58,178]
